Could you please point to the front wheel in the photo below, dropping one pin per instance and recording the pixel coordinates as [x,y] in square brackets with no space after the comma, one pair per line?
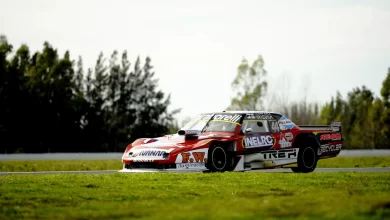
[307,160]
[219,159]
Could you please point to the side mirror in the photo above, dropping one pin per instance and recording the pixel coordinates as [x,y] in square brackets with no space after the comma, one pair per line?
[248,130]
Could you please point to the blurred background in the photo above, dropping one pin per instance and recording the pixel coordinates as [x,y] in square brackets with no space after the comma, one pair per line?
[92,76]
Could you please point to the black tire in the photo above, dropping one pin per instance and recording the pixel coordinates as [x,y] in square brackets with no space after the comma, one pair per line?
[219,159]
[307,160]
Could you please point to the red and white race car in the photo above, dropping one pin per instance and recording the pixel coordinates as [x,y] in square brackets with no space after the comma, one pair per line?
[236,141]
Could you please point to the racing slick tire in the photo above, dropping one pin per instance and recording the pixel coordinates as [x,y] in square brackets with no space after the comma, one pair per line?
[219,159]
[307,160]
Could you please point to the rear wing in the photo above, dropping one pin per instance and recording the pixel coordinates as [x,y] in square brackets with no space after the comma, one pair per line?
[334,126]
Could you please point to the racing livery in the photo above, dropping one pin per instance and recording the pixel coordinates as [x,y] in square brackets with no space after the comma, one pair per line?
[236,141]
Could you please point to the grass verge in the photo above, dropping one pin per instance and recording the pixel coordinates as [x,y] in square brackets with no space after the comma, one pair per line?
[347,162]
[344,195]
[58,165]
[62,165]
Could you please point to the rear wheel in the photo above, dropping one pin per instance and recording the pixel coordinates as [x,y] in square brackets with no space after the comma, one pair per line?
[307,160]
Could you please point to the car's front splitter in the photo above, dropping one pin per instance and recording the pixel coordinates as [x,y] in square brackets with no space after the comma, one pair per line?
[140,170]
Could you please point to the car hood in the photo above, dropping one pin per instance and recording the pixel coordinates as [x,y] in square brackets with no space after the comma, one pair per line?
[162,147]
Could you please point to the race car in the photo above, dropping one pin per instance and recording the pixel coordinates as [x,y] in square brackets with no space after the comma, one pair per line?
[236,141]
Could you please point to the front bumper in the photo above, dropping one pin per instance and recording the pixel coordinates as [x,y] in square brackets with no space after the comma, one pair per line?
[148,165]
[136,167]
[159,170]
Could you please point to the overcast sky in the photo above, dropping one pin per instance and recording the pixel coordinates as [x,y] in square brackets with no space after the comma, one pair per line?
[196,45]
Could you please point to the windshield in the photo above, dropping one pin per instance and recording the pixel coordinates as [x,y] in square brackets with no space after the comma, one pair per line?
[218,123]
[220,126]
[195,125]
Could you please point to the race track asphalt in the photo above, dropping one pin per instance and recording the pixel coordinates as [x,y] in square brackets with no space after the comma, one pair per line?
[318,170]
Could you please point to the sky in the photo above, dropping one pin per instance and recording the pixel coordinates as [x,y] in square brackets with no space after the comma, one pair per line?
[196,46]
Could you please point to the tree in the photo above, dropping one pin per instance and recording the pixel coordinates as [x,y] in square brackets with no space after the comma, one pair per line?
[361,116]
[378,125]
[357,117]
[8,89]
[53,118]
[385,92]
[152,115]
[249,85]
[95,129]
[125,105]
[47,104]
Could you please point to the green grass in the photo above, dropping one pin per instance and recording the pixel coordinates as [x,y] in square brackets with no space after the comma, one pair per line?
[342,195]
[61,165]
[347,162]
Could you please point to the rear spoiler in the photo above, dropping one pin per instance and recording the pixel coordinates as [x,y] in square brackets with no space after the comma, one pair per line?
[334,126]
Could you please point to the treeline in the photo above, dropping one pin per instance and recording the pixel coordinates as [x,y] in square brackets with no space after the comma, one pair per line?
[49,104]
[365,118]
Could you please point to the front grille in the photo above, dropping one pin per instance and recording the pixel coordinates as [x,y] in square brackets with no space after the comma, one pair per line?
[149,165]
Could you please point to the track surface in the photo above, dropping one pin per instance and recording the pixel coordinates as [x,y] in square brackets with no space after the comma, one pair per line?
[318,170]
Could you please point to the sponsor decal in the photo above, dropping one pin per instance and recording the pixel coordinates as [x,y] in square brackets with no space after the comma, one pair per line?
[232,118]
[258,141]
[286,123]
[280,154]
[329,148]
[336,123]
[194,156]
[147,153]
[333,137]
[220,117]
[333,129]
[274,126]
[259,116]
[203,117]
[189,165]
[285,140]
[334,126]
[136,160]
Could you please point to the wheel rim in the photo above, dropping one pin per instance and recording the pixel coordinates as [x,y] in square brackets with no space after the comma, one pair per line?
[308,157]
[219,158]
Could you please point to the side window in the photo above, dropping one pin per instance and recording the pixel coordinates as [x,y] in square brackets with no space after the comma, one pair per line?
[257,126]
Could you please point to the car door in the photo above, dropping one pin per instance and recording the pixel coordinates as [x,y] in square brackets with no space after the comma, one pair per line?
[257,133]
